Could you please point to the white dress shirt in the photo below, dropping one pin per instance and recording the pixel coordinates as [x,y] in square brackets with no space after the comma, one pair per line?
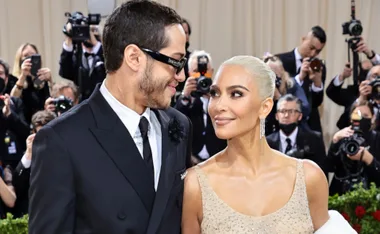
[204,154]
[297,77]
[131,121]
[90,59]
[292,137]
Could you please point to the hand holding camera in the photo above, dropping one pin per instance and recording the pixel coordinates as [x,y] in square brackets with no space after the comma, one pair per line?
[44,74]
[49,104]
[362,155]
[365,89]
[347,72]
[29,146]
[6,99]
[344,133]
[58,105]
[190,86]
[26,66]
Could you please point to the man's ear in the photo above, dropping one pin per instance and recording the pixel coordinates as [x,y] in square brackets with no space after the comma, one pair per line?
[266,108]
[133,57]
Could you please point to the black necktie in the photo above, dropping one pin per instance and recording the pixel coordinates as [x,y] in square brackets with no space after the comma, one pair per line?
[147,152]
[86,54]
[289,146]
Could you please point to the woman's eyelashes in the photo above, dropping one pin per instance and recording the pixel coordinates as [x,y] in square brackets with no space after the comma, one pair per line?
[232,94]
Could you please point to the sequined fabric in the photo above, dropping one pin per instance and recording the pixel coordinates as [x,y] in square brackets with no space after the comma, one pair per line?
[219,218]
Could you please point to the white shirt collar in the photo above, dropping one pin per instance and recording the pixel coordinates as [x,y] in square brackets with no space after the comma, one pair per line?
[292,137]
[129,117]
[298,58]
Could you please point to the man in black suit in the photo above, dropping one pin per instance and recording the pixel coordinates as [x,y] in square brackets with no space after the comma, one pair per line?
[116,162]
[297,64]
[92,68]
[292,139]
[195,106]
[347,96]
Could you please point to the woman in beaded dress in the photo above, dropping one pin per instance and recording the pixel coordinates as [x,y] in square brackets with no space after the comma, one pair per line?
[248,187]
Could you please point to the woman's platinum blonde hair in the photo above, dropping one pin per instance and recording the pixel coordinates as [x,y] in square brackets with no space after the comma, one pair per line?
[260,71]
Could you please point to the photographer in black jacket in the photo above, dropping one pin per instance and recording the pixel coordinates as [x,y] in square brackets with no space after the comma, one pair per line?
[354,153]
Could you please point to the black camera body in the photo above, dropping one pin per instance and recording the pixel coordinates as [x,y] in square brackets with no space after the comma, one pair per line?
[203,82]
[375,88]
[316,64]
[80,30]
[62,104]
[353,28]
[351,145]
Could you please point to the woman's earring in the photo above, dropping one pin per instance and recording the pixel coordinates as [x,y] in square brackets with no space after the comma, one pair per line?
[262,128]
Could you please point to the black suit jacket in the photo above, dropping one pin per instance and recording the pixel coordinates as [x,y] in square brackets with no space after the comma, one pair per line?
[90,75]
[315,98]
[87,175]
[20,181]
[16,128]
[343,97]
[194,112]
[310,141]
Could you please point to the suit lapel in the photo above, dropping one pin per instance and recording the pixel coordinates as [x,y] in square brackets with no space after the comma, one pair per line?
[166,176]
[118,144]
[277,141]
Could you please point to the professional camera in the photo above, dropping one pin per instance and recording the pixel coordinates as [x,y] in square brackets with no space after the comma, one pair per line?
[375,88]
[351,145]
[62,104]
[316,64]
[352,28]
[80,30]
[203,80]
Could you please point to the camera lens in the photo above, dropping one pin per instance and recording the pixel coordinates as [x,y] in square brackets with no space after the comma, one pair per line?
[352,148]
[355,29]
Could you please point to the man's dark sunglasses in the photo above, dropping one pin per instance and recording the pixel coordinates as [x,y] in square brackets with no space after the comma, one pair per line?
[177,64]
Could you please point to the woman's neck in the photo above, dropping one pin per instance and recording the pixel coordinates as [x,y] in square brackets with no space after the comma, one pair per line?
[249,150]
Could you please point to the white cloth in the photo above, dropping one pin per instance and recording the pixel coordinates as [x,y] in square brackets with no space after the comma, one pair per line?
[131,121]
[292,137]
[26,162]
[90,59]
[204,154]
[337,82]
[336,225]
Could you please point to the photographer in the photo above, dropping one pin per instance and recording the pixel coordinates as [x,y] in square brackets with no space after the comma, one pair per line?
[345,97]
[292,139]
[284,85]
[22,173]
[34,82]
[91,63]
[194,104]
[64,96]
[309,71]
[354,153]
[13,127]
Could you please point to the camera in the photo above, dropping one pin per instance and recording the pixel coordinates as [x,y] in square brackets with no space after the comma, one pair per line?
[80,30]
[351,145]
[352,28]
[375,88]
[315,64]
[62,104]
[204,81]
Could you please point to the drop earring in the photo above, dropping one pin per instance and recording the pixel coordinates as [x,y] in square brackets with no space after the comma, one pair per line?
[262,128]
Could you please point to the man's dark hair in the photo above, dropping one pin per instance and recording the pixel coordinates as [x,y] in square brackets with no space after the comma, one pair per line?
[319,33]
[290,98]
[41,118]
[139,22]
[184,21]
[5,65]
